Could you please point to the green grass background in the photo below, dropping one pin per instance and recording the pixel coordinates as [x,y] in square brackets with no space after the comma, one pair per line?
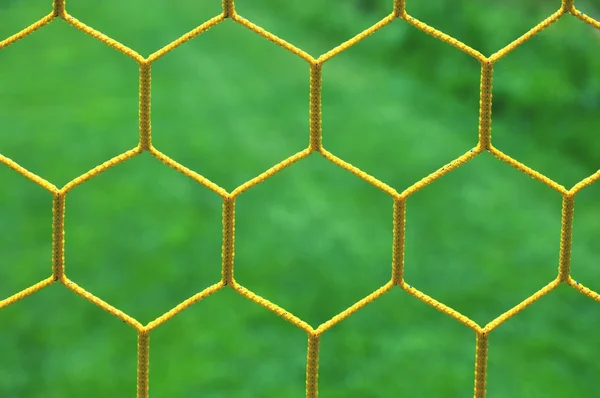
[313,239]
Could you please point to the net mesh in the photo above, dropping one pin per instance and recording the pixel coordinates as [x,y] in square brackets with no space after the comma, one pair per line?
[314,146]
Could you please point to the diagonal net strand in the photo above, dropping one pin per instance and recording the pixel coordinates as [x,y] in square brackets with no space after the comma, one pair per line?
[484,143]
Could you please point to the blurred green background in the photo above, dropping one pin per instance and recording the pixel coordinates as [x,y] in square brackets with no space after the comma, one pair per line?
[314,239]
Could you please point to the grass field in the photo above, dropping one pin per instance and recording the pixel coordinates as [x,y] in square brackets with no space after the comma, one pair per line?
[314,239]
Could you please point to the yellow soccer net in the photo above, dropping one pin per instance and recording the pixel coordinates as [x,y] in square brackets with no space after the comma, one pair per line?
[314,146]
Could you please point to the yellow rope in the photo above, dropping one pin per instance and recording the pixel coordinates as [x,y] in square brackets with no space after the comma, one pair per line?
[143,363]
[484,143]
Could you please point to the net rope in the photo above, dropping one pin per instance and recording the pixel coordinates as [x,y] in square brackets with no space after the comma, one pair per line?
[315,146]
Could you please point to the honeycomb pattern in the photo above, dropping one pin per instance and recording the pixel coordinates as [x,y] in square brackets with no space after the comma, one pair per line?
[315,146]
